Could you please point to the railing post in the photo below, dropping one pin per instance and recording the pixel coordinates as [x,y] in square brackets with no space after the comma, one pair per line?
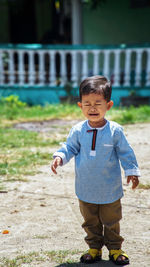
[127,67]
[41,67]
[96,62]
[138,67]
[52,68]
[21,69]
[106,63]
[116,68]
[11,70]
[62,68]
[74,74]
[31,68]
[84,64]
[1,68]
[148,69]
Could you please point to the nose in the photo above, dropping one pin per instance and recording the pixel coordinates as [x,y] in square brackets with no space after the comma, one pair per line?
[93,107]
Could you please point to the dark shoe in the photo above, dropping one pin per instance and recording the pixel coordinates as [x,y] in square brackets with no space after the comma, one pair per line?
[93,255]
[115,254]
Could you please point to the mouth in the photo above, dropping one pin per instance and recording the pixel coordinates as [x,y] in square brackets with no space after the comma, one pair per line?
[93,114]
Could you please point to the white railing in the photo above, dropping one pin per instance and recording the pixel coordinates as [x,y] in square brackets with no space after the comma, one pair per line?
[56,65]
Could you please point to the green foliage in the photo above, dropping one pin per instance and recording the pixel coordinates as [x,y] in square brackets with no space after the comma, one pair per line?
[11,105]
[12,101]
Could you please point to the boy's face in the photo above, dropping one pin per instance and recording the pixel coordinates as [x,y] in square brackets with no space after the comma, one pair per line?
[94,108]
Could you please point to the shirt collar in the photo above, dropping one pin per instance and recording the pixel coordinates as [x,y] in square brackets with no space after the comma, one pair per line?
[99,128]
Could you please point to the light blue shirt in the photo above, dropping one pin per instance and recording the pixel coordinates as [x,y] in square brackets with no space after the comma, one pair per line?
[97,172]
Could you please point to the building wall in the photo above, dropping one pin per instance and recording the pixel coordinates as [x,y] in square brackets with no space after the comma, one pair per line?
[4,23]
[116,22]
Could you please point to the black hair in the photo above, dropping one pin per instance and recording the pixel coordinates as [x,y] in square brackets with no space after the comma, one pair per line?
[96,84]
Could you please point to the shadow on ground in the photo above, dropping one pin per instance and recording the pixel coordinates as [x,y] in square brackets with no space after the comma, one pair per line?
[102,263]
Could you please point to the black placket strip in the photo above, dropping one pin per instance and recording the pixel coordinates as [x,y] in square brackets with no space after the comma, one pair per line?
[93,138]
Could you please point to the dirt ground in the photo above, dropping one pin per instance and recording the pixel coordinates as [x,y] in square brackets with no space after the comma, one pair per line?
[43,214]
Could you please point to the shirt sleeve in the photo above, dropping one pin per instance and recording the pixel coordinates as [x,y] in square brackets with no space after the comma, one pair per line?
[126,154]
[70,148]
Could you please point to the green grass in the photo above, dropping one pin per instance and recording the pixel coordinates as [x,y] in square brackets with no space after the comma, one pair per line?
[13,138]
[130,115]
[144,186]
[24,163]
[22,153]
[11,110]
[57,257]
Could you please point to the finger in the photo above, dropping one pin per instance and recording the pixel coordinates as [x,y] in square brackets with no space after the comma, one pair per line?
[53,169]
[135,183]
[128,179]
[57,162]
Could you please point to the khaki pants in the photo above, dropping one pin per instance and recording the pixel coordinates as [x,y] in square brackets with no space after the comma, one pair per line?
[101,223]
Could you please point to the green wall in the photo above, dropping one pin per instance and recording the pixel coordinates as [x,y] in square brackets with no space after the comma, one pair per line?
[4,23]
[42,95]
[115,22]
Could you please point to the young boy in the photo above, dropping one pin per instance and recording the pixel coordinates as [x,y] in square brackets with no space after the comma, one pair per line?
[99,146]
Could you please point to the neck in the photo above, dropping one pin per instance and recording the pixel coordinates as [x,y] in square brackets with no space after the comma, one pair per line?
[97,124]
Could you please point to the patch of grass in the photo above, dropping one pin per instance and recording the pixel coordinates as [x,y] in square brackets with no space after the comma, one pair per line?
[2,187]
[20,150]
[21,153]
[21,163]
[61,256]
[130,115]
[13,138]
[144,186]
[11,110]
[21,259]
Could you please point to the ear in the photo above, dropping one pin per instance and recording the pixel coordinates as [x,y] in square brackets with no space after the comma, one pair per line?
[110,104]
[79,104]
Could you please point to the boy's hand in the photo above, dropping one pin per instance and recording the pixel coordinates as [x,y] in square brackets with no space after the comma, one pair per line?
[134,179]
[56,162]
